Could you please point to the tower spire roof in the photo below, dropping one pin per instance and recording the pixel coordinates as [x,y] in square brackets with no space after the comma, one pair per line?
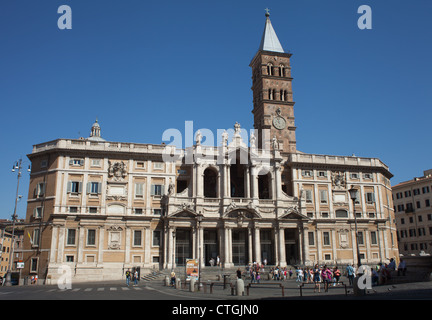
[269,40]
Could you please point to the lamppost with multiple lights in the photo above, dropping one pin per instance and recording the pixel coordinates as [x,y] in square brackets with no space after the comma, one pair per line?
[199,219]
[16,166]
[353,195]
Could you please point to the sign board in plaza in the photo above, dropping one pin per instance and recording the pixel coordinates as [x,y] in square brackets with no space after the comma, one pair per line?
[192,268]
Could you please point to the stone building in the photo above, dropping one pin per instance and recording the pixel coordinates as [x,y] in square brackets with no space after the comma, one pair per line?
[413,211]
[103,207]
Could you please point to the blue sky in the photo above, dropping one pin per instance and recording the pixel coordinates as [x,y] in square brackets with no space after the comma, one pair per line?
[142,67]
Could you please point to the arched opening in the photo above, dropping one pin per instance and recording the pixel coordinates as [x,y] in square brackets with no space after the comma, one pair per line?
[210,183]
[264,186]
[237,174]
[270,69]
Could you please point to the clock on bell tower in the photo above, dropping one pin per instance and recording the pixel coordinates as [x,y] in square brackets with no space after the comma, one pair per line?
[273,105]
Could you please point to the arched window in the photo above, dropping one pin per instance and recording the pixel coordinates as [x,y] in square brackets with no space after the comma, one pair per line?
[270,69]
[282,70]
[264,186]
[210,183]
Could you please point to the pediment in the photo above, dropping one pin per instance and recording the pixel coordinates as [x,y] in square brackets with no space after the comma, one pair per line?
[293,214]
[184,213]
[243,213]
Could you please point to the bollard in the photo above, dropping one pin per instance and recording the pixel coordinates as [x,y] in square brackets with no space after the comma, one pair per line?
[167,281]
[240,287]
[192,285]
[178,283]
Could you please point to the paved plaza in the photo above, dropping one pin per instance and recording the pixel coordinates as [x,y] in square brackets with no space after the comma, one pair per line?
[216,290]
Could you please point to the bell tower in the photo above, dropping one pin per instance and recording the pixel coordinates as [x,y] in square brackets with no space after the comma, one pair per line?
[273,105]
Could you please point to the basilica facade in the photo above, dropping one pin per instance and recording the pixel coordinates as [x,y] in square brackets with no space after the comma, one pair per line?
[103,207]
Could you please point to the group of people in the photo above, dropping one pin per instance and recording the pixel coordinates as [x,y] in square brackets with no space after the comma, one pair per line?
[132,276]
[318,275]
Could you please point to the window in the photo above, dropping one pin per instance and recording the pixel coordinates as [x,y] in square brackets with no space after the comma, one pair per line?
[157,212]
[94,187]
[354,175]
[341,214]
[95,163]
[92,209]
[326,238]
[311,238]
[157,189]
[323,196]
[307,173]
[74,187]
[158,165]
[91,237]
[308,196]
[139,190]
[373,237]
[69,258]
[40,190]
[71,237]
[76,162]
[138,210]
[322,174]
[370,197]
[137,238]
[140,164]
[156,238]
[44,163]
[425,189]
[367,176]
[73,209]
[34,265]
[360,237]
[38,212]
[36,236]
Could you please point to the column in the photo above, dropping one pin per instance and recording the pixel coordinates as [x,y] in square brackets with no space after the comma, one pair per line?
[254,178]
[201,246]
[101,245]
[54,244]
[257,245]
[306,244]
[247,182]
[282,252]
[147,245]
[226,251]
[278,180]
[127,245]
[250,247]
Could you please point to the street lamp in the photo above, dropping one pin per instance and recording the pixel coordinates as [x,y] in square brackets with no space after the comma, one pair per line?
[16,166]
[353,195]
[199,218]
[173,250]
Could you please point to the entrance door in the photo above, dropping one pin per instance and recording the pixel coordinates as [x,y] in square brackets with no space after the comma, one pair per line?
[291,246]
[267,248]
[183,246]
[211,248]
[239,247]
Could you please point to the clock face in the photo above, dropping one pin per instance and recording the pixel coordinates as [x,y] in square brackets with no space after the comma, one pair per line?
[279,123]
